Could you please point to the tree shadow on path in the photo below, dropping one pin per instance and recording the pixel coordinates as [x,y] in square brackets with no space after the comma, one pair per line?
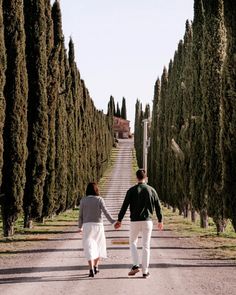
[25,270]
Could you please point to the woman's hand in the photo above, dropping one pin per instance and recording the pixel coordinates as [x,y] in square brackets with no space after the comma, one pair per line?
[80,230]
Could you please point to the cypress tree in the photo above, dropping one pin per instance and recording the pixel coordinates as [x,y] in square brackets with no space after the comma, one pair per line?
[123,109]
[71,148]
[75,96]
[118,114]
[161,132]
[213,58]
[178,123]
[152,163]
[99,133]
[82,144]
[228,139]
[53,74]
[167,153]
[2,83]
[186,86]
[111,109]
[197,148]
[109,119]
[15,127]
[138,133]
[170,163]
[61,116]
[147,112]
[35,28]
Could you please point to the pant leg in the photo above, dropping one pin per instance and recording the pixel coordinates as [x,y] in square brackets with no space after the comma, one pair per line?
[146,240]
[133,240]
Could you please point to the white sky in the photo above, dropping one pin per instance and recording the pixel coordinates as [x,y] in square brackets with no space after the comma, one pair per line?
[121,46]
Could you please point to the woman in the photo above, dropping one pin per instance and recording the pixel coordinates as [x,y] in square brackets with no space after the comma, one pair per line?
[90,222]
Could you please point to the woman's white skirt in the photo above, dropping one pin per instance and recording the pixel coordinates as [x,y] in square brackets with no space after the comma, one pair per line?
[94,241]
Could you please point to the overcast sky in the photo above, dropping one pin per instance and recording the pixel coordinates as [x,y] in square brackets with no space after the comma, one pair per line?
[121,46]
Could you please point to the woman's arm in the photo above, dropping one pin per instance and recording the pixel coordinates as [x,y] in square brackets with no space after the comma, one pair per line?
[80,214]
[106,213]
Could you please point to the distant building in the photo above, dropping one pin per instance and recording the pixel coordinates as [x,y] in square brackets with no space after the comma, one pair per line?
[121,128]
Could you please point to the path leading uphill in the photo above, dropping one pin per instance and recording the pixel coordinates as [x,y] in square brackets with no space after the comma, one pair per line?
[59,267]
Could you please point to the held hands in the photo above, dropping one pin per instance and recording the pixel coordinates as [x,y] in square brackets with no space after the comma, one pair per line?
[117,224]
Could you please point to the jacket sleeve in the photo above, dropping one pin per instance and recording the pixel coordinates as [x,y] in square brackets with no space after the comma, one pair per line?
[157,204]
[124,207]
[80,214]
[105,211]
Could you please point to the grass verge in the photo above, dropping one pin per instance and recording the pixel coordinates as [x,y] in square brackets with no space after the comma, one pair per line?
[216,247]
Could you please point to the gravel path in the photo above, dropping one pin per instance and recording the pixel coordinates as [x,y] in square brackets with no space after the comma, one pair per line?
[57,266]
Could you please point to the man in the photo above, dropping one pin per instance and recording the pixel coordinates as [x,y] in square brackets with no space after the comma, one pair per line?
[142,200]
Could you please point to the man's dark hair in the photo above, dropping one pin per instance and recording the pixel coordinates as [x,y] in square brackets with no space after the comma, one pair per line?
[92,189]
[141,174]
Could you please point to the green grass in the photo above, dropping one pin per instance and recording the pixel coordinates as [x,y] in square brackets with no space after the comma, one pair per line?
[105,177]
[222,246]
[173,220]
[57,224]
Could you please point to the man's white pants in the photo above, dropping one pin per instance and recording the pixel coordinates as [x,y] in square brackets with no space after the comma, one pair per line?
[145,228]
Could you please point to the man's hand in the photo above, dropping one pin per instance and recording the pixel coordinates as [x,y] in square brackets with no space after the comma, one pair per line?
[160,226]
[80,230]
[117,224]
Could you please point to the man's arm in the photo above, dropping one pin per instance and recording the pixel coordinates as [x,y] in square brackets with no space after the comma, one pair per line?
[158,210]
[157,205]
[124,206]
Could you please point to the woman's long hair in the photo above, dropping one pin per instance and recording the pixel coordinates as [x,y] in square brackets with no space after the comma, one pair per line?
[92,189]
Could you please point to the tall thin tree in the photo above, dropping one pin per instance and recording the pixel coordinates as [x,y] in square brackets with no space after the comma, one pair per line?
[213,58]
[118,114]
[197,149]
[61,116]
[123,109]
[228,136]
[53,74]
[2,83]
[15,127]
[37,142]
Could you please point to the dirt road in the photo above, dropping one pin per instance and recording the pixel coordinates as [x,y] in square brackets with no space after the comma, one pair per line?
[58,266]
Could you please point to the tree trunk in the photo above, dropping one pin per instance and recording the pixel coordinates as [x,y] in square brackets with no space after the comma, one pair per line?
[193,215]
[8,228]
[28,222]
[220,225]
[203,218]
[186,211]
[234,223]
[40,220]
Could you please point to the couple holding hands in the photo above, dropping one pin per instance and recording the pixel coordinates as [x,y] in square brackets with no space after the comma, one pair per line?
[142,200]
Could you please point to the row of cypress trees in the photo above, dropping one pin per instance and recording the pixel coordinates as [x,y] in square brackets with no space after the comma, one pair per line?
[53,140]
[114,109]
[192,157]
